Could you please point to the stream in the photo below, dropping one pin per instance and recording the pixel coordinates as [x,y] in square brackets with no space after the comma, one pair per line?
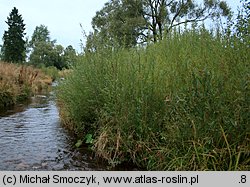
[32,138]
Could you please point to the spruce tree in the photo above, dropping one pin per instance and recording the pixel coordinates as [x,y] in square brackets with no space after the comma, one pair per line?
[13,39]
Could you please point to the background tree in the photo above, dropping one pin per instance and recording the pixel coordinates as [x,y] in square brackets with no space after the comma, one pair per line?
[1,52]
[45,52]
[165,14]
[41,47]
[40,34]
[40,55]
[69,56]
[129,22]
[119,22]
[13,39]
[57,57]
[243,22]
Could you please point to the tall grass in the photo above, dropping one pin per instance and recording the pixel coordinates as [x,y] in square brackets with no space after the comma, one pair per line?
[181,104]
[19,82]
[51,71]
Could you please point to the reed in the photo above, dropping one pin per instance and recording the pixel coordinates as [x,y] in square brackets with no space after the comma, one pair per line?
[181,104]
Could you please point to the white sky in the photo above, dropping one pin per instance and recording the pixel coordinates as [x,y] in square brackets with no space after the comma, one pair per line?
[62,17]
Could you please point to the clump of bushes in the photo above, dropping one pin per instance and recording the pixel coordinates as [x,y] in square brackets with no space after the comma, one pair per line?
[181,104]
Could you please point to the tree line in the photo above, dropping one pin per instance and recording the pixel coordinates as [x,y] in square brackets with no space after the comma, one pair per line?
[120,23]
[128,23]
[40,50]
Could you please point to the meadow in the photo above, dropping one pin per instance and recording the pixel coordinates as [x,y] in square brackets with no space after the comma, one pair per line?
[180,104]
[19,82]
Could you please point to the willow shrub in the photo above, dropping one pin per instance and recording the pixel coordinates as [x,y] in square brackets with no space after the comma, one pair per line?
[181,104]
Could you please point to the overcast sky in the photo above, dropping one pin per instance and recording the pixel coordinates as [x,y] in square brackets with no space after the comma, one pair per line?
[62,17]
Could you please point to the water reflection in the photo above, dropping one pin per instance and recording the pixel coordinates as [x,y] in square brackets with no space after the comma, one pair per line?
[31,138]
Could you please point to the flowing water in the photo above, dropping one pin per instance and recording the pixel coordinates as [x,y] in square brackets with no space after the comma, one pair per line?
[31,138]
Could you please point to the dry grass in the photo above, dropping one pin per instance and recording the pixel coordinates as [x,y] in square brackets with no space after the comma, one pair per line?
[17,82]
[64,73]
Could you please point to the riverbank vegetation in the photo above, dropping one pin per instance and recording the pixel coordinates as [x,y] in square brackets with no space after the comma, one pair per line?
[20,59]
[18,82]
[153,86]
[181,103]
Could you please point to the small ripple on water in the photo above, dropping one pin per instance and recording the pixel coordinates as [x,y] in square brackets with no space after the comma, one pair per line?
[32,139]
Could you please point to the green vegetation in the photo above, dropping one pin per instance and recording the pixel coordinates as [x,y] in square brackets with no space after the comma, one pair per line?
[127,23]
[13,49]
[180,101]
[40,51]
[180,104]
[45,53]
[18,82]
[51,72]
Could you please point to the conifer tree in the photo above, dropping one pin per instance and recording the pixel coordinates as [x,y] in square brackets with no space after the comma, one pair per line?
[13,39]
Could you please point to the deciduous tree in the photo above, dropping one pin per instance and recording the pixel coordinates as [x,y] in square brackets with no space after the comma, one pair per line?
[69,56]
[119,22]
[163,15]
[40,34]
[45,52]
[129,22]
